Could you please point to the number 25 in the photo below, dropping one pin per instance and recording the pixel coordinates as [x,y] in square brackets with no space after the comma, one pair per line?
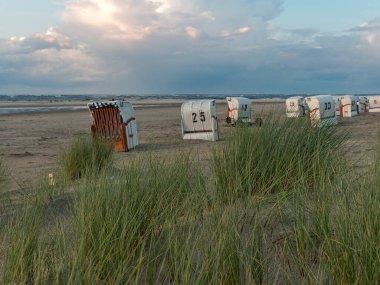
[201,115]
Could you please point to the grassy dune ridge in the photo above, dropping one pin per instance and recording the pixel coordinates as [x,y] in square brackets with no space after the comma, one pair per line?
[281,208]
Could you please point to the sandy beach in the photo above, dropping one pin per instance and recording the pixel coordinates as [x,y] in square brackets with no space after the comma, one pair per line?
[30,143]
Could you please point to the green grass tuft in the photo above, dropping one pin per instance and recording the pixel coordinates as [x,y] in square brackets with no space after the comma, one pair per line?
[83,156]
[3,172]
[154,221]
[275,157]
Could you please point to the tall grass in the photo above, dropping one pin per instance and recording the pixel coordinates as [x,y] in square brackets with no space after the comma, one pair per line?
[146,228]
[115,219]
[28,243]
[3,172]
[334,235]
[3,186]
[151,222]
[8,197]
[21,253]
[234,246]
[275,157]
[155,221]
[85,155]
[352,250]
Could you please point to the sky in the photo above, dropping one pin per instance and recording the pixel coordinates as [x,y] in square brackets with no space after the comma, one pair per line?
[189,46]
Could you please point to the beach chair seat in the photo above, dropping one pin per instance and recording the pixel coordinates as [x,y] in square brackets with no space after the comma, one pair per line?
[321,110]
[199,121]
[238,110]
[115,122]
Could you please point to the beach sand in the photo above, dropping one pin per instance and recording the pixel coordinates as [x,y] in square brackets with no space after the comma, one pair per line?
[30,143]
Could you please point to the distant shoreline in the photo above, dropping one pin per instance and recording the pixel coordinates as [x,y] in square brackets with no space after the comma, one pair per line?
[141,103]
[24,100]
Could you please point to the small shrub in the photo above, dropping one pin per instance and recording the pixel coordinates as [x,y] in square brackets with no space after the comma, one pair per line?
[85,155]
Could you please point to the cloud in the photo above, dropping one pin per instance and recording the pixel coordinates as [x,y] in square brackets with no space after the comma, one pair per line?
[148,46]
[133,20]
[49,59]
[126,44]
[369,32]
[192,32]
[151,46]
[371,26]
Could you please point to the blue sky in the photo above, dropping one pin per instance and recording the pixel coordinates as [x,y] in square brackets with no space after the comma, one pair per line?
[21,17]
[327,16]
[184,46]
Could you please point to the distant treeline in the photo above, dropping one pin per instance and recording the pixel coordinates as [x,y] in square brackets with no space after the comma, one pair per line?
[44,98]
[65,98]
[94,97]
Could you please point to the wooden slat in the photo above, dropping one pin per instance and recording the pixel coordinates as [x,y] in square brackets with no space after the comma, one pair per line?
[107,125]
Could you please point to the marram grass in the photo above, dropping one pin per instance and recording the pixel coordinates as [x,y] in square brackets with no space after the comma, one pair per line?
[3,172]
[276,157]
[83,156]
[154,222]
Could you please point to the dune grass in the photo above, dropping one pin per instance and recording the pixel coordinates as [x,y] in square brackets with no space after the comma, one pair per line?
[352,247]
[284,212]
[276,157]
[334,231]
[138,204]
[85,155]
[8,198]
[23,247]
[3,172]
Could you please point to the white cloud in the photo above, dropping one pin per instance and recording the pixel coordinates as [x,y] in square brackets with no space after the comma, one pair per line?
[208,15]
[110,19]
[189,46]
[143,38]
[192,32]
[240,31]
[243,30]
[133,20]
[370,39]
[46,59]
